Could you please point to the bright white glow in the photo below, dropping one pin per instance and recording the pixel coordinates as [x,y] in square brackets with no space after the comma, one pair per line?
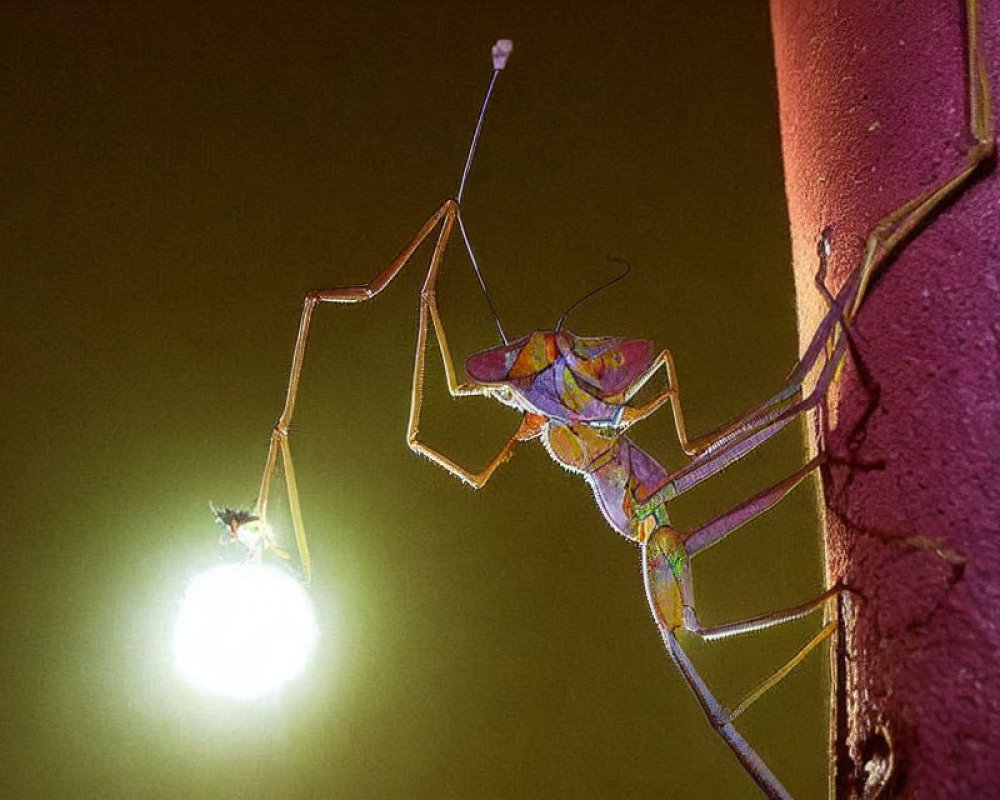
[244,630]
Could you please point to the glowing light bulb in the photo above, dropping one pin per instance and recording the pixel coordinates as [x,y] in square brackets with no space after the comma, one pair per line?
[244,630]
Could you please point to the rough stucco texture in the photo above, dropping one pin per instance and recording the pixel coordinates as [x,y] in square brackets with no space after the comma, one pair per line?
[874,112]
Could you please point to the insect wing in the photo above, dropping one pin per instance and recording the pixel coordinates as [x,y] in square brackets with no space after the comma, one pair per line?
[609,365]
[521,359]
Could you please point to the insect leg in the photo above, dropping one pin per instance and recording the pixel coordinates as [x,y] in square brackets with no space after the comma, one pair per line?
[429,314]
[768,620]
[896,225]
[744,439]
[714,531]
[759,416]
[722,721]
[667,581]
[279,435]
[779,674]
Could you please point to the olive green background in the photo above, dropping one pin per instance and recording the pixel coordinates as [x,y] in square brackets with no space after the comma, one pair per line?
[175,180]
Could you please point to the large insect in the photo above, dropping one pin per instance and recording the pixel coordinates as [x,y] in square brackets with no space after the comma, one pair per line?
[578,396]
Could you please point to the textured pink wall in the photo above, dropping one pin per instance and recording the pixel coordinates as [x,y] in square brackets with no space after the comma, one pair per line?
[874,111]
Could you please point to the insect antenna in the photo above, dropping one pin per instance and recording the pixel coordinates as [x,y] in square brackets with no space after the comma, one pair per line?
[501,51]
[601,288]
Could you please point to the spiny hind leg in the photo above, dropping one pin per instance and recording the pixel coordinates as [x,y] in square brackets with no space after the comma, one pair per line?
[717,529]
[667,581]
[748,430]
[746,424]
[669,585]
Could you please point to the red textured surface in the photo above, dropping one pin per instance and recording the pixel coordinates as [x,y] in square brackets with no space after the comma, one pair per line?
[874,112]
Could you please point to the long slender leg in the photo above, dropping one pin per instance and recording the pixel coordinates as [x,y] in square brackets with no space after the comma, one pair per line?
[444,216]
[301,543]
[755,419]
[717,529]
[735,447]
[762,621]
[665,569]
[765,779]
[779,674]
[898,224]
[429,313]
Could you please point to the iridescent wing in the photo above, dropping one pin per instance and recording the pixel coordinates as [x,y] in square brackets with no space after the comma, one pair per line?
[607,366]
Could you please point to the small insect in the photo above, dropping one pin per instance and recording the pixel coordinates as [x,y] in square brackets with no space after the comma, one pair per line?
[235,521]
[578,396]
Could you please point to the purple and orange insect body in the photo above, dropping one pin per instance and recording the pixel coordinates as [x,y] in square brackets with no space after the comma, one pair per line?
[564,377]
[578,387]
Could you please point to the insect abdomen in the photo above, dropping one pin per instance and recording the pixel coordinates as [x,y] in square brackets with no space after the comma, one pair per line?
[614,466]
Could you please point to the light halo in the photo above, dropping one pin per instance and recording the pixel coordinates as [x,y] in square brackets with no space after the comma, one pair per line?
[244,630]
